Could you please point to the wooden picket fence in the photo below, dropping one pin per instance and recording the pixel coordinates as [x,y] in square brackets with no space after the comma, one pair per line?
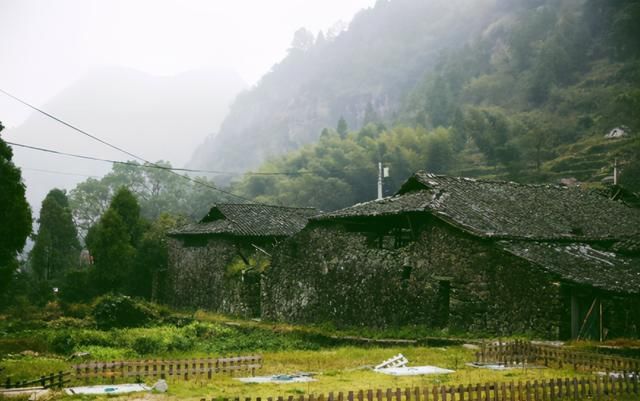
[57,380]
[523,353]
[601,387]
[166,369]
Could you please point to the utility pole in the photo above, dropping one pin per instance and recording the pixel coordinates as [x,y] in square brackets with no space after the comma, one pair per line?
[379,180]
[615,171]
[383,172]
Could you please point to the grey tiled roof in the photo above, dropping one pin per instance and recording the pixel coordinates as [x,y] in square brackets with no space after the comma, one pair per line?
[581,263]
[250,220]
[507,210]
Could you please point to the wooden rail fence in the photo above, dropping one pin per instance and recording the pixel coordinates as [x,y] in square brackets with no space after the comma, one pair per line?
[521,353]
[602,387]
[177,369]
[48,381]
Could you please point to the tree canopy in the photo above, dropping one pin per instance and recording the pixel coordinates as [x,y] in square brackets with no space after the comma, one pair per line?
[15,215]
[56,249]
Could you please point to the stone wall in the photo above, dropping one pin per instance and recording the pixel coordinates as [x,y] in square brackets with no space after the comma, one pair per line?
[198,277]
[329,274]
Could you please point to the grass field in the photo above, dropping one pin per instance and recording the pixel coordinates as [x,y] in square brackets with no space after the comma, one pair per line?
[337,365]
[336,369]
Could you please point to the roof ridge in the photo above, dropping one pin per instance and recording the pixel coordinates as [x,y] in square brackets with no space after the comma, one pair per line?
[262,205]
[488,181]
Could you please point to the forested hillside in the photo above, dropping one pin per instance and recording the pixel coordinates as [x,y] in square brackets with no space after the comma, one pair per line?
[529,99]
[361,74]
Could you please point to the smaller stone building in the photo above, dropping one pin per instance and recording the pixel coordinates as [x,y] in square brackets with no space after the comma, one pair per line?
[217,263]
[467,255]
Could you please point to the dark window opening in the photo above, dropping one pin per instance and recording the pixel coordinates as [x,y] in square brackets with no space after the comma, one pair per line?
[443,300]
[194,241]
[395,238]
[402,237]
[406,275]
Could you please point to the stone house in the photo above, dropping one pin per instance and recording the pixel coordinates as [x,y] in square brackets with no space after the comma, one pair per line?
[216,263]
[466,255]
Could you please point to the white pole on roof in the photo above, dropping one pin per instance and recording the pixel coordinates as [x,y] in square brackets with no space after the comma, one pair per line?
[379,180]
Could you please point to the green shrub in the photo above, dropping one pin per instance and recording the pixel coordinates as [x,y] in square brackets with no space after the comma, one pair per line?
[148,345]
[63,343]
[78,311]
[112,311]
[69,322]
[180,343]
[94,337]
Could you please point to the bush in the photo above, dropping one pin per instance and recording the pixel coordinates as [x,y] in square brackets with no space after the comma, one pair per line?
[78,311]
[112,311]
[180,343]
[148,345]
[63,343]
[69,322]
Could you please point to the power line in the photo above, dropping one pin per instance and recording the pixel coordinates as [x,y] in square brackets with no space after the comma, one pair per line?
[57,172]
[156,166]
[95,138]
[120,149]
[160,167]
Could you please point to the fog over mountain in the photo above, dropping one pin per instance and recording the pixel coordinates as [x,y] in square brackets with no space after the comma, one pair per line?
[384,52]
[140,112]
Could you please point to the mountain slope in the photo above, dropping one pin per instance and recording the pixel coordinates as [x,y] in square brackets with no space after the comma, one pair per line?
[530,99]
[370,67]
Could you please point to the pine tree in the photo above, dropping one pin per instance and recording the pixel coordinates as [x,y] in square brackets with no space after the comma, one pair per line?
[56,248]
[112,243]
[15,216]
[342,127]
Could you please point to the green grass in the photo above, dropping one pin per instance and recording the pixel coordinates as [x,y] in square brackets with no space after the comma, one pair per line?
[339,365]
[337,369]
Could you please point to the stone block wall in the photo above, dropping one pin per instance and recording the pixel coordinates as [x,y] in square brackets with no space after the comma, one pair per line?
[198,278]
[328,274]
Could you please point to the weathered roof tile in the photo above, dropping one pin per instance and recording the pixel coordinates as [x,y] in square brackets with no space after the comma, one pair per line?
[581,263]
[500,209]
[251,220]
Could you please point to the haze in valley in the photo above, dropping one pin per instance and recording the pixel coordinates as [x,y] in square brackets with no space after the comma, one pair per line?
[153,77]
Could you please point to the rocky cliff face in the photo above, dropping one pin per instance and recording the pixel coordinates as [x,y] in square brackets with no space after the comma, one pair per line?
[369,67]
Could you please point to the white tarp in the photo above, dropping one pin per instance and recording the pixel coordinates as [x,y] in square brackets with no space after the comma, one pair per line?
[414,370]
[113,389]
[296,378]
[491,366]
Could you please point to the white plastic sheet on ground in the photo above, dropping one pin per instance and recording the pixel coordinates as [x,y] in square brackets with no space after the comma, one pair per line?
[112,389]
[281,379]
[414,371]
[491,366]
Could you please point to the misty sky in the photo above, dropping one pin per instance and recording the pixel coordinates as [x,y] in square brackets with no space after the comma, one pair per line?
[46,44]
